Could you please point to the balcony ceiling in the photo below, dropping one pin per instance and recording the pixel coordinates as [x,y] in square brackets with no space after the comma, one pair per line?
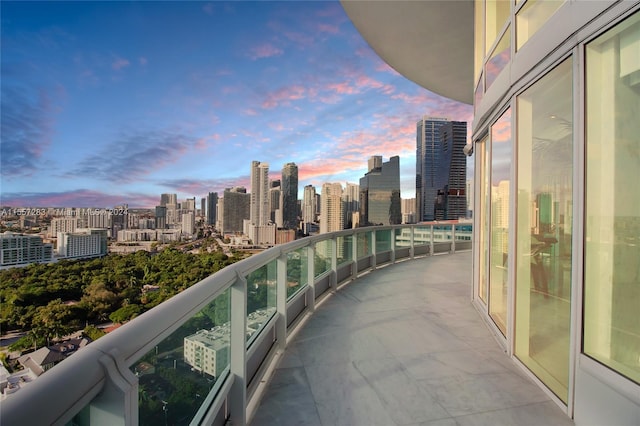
[430,42]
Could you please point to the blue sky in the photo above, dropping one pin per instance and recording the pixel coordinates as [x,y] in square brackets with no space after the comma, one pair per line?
[106,103]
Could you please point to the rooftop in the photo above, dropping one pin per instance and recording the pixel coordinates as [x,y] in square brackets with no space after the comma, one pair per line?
[402,346]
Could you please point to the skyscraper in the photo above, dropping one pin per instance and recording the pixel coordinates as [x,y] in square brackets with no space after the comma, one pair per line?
[234,209]
[309,207]
[212,207]
[168,199]
[380,193]
[290,196]
[351,199]
[441,169]
[259,212]
[332,210]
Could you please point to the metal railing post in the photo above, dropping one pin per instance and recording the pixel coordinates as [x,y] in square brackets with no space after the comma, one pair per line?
[453,238]
[333,282]
[238,348]
[281,300]
[392,236]
[373,250]
[431,242]
[311,277]
[412,251]
[354,252]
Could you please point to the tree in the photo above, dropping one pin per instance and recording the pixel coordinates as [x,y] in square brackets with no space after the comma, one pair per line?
[125,313]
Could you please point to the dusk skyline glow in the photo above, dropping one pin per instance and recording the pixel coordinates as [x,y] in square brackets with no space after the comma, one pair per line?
[106,103]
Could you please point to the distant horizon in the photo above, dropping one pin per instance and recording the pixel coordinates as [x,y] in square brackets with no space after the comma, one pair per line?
[109,103]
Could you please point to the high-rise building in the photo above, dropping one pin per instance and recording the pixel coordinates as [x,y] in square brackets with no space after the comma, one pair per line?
[20,249]
[259,211]
[380,193]
[203,206]
[233,209]
[189,204]
[62,224]
[168,199]
[441,169]
[351,199]
[332,210]
[189,222]
[275,203]
[408,210]
[290,196]
[309,210]
[82,244]
[212,208]
[161,217]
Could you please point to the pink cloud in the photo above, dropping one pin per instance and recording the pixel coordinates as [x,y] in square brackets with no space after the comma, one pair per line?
[284,95]
[328,28]
[265,50]
[250,111]
[343,88]
[143,61]
[120,63]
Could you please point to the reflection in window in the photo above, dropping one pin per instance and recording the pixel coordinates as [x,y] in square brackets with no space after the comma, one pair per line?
[500,186]
[544,227]
[612,234]
[532,16]
[261,297]
[175,377]
[499,58]
[478,37]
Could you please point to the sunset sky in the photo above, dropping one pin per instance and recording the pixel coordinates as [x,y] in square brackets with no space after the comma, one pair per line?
[106,103]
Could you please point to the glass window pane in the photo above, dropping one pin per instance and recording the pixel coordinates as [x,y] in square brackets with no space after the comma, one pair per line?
[322,257]
[497,14]
[364,245]
[499,59]
[175,377]
[261,297]
[500,186]
[345,249]
[383,241]
[532,16]
[544,227]
[478,37]
[612,225]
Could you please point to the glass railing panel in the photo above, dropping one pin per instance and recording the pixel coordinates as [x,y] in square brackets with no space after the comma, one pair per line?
[442,233]
[345,249]
[464,231]
[383,240]
[422,235]
[175,377]
[297,267]
[322,257]
[402,237]
[364,244]
[261,297]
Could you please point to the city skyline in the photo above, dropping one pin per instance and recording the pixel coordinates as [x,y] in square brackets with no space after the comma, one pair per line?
[114,103]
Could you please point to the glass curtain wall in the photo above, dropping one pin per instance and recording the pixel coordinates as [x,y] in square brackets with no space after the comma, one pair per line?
[500,186]
[612,216]
[544,227]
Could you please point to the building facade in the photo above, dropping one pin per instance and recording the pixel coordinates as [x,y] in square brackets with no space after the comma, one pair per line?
[260,213]
[332,208]
[82,244]
[441,169]
[212,208]
[290,196]
[555,88]
[233,209]
[20,250]
[380,193]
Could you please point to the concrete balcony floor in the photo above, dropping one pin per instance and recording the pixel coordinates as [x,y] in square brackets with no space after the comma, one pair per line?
[402,346]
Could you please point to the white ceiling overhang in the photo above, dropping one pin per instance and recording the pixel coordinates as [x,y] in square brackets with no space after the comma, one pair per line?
[430,42]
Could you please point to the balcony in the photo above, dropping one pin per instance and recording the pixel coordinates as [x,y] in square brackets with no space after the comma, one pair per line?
[394,340]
